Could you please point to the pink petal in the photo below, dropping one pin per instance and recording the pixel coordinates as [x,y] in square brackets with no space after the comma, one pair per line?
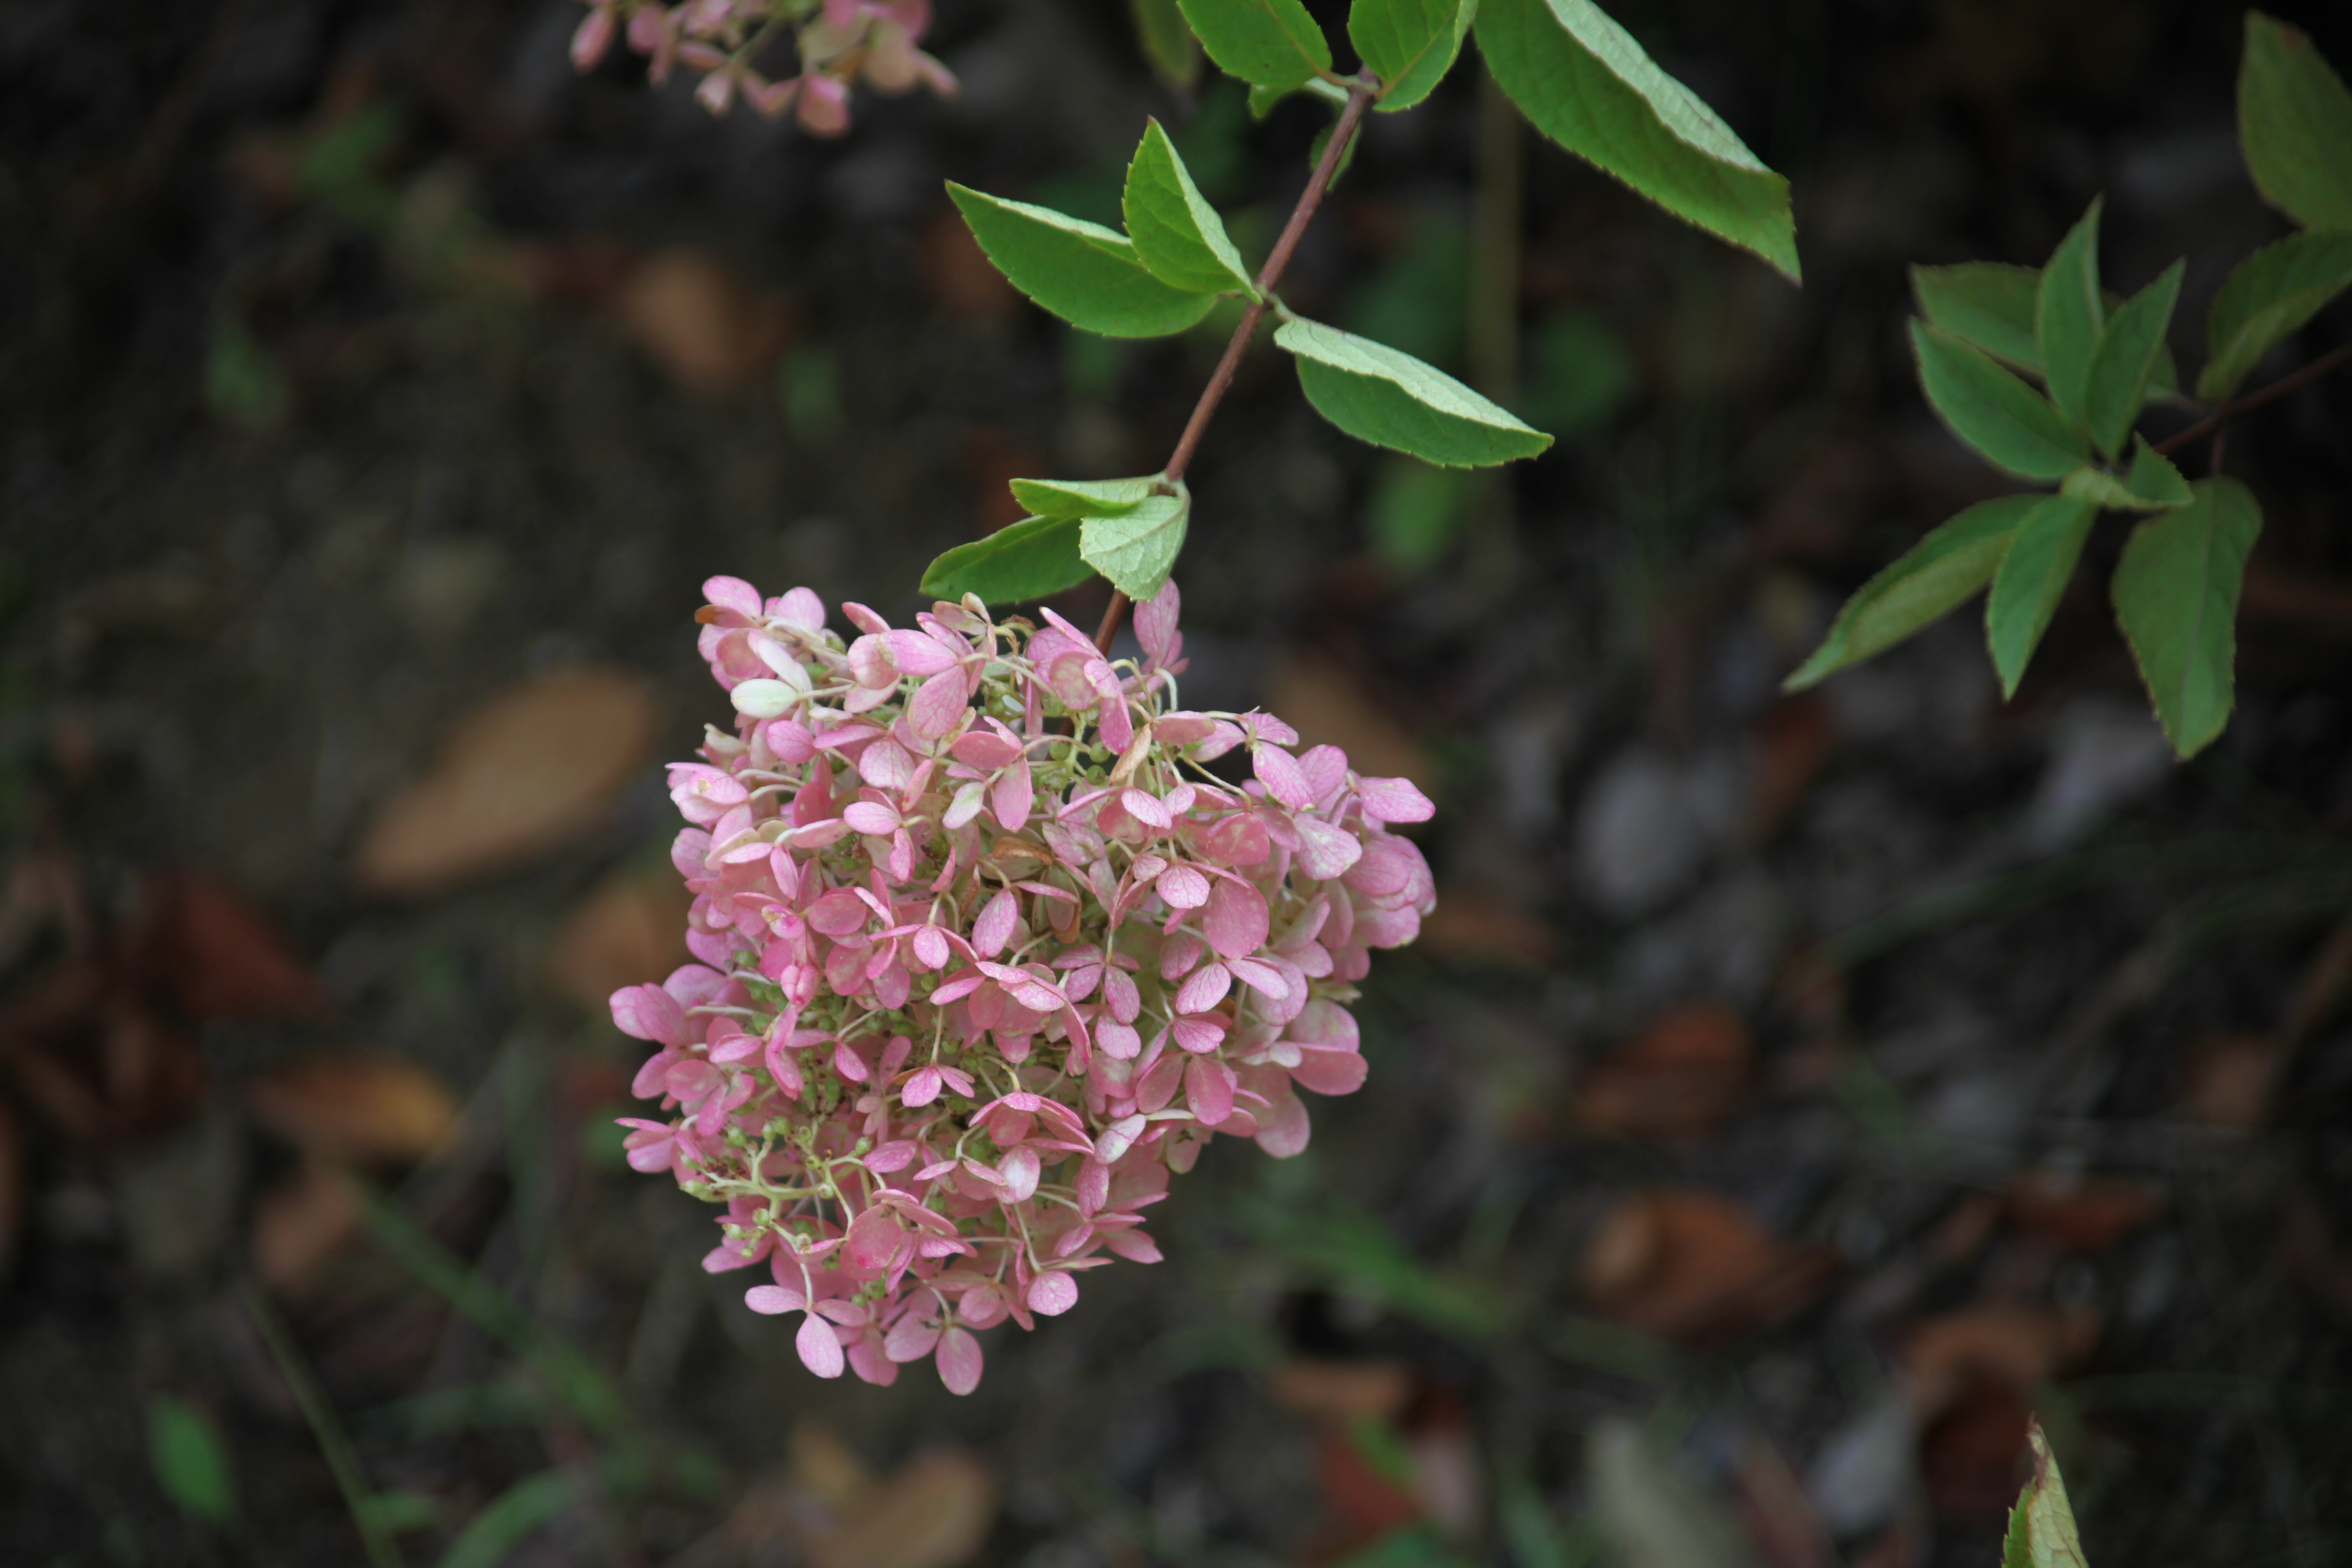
[958,1360]
[1209,1090]
[984,749]
[994,927]
[649,1013]
[1394,800]
[820,1347]
[911,1338]
[869,816]
[774,1298]
[1183,887]
[1019,1171]
[1204,988]
[937,703]
[1283,777]
[1053,1293]
[1237,922]
[733,593]
[1155,624]
[1014,798]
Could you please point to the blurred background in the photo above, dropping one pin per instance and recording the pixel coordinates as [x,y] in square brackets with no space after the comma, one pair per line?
[1789,1097]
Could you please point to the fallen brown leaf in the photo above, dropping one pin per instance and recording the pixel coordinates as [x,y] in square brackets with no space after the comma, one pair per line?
[1794,742]
[529,768]
[217,956]
[1972,1457]
[630,929]
[2014,1346]
[1327,706]
[1343,1390]
[298,1223]
[364,1109]
[934,1511]
[1691,1265]
[2082,1217]
[715,331]
[2228,1080]
[1360,1503]
[96,1060]
[1681,1077]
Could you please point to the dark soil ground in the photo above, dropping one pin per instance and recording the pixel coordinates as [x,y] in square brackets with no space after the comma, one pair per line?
[1791,1097]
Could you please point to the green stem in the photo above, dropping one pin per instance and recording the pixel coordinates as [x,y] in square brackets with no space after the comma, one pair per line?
[343,1460]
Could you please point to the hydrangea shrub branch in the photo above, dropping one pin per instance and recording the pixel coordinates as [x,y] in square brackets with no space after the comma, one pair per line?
[985,950]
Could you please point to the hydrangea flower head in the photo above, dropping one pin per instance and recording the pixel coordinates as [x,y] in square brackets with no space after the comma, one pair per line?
[986,952]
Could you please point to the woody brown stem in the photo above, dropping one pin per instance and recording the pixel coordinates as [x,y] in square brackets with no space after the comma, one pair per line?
[2220,418]
[1359,99]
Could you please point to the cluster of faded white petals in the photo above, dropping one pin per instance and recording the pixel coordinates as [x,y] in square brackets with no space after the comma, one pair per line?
[987,951]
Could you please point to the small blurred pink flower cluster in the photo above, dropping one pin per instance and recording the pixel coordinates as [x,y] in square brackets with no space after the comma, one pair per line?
[987,951]
[839,42]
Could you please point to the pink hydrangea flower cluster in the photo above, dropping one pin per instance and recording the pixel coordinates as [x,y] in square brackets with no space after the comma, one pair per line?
[986,951]
[839,42]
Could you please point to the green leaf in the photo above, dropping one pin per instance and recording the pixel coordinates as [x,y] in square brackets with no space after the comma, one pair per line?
[1088,274]
[2295,122]
[2069,313]
[2175,595]
[2126,360]
[2013,426]
[1409,44]
[192,1462]
[1175,230]
[1989,304]
[1393,400]
[2152,485]
[2032,579]
[2269,297]
[2041,1526]
[1271,44]
[1026,559]
[1083,498]
[1930,580]
[1585,83]
[1137,549]
[1168,44]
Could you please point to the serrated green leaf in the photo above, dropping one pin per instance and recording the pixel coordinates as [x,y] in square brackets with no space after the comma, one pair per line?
[1583,81]
[1268,43]
[2032,579]
[1930,580]
[2176,597]
[1989,304]
[1026,559]
[1175,231]
[2152,485]
[1393,400]
[1167,42]
[2294,122]
[192,1462]
[1083,498]
[2069,313]
[2012,425]
[2267,298]
[1409,44]
[1088,274]
[2041,1526]
[2125,359]
[1137,549]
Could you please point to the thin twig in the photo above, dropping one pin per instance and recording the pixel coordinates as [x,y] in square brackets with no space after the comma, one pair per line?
[343,1460]
[1359,99]
[2334,359]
